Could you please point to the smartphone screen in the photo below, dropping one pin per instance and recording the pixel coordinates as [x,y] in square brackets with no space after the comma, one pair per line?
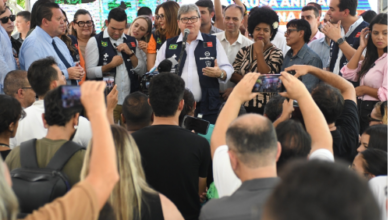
[196,124]
[268,83]
[70,96]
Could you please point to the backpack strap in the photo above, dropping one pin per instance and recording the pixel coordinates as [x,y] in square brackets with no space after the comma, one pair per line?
[63,155]
[28,154]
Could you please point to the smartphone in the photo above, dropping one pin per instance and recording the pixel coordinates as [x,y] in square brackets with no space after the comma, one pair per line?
[268,83]
[70,96]
[109,78]
[196,124]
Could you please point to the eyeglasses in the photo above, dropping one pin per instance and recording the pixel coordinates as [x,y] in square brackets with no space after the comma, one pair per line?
[159,16]
[5,19]
[370,119]
[288,32]
[83,23]
[27,87]
[192,19]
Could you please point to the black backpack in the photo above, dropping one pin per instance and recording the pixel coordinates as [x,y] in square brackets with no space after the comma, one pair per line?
[34,186]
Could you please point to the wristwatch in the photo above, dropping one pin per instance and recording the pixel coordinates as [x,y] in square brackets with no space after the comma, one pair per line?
[221,77]
[132,53]
[340,41]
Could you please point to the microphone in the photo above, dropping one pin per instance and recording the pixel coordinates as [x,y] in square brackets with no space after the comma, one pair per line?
[165,66]
[186,33]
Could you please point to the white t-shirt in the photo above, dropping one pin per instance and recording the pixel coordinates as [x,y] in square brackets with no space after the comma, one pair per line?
[225,179]
[378,186]
[32,127]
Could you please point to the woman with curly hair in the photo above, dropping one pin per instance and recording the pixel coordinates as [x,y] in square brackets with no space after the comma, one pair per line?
[262,56]
[372,71]
[167,28]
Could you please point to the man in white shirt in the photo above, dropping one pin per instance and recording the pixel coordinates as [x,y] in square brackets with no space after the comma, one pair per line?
[114,54]
[44,75]
[224,172]
[204,63]
[232,40]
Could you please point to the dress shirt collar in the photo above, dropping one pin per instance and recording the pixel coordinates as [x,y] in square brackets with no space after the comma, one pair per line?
[106,35]
[301,52]
[381,58]
[44,34]
[239,39]
[180,38]
[38,104]
[318,35]
[353,27]
[257,184]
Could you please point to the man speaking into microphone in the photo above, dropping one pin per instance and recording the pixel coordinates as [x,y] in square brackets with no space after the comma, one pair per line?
[202,62]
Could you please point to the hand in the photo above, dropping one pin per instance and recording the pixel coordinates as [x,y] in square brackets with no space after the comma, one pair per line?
[288,108]
[143,45]
[76,72]
[203,196]
[226,94]
[333,31]
[116,61]
[214,72]
[364,37]
[300,70]
[123,47]
[295,88]
[243,90]
[258,47]
[360,91]
[92,97]
[112,99]
[17,62]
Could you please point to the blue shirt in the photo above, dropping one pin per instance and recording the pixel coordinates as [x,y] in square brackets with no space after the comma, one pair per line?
[322,49]
[7,60]
[305,56]
[38,45]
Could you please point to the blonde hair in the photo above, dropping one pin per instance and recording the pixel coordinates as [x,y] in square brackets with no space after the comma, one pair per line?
[8,202]
[379,111]
[146,37]
[126,198]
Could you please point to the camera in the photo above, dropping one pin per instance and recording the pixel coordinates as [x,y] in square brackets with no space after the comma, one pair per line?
[145,81]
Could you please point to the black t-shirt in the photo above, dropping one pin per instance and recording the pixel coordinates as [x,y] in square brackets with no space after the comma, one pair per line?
[173,160]
[346,136]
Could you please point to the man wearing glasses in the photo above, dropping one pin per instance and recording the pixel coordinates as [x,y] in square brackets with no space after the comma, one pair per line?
[297,37]
[204,63]
[7,61]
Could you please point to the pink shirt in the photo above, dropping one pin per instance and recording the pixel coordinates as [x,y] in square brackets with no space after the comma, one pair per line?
[317,36]
[375,78]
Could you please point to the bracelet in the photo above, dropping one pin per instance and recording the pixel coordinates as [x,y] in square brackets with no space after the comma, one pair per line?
[132,54]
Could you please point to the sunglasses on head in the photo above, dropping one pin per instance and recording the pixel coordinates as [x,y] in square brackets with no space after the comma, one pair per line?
[5,19]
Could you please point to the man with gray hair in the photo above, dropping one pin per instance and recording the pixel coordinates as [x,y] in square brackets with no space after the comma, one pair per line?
[203,64]
[232,40]
[17,85]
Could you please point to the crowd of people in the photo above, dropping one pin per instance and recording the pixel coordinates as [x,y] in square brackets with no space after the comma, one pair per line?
[315,150]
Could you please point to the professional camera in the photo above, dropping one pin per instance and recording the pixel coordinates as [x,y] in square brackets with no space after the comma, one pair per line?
[164,67]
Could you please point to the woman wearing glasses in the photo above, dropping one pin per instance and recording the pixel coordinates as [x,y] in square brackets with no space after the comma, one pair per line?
[262,56]
[83,29]
[372,71]
[167,28]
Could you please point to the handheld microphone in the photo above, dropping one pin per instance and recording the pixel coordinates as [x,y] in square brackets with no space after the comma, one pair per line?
[186,33]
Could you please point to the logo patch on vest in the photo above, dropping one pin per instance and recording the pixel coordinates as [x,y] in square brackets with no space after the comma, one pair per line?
[209,44]
[173,46]
[132,44]
[207,53]
[208,63]
[357,35]
[104,44]
[158,40]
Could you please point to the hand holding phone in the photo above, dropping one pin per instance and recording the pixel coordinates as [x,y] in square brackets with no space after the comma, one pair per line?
[196,124]
[268,83]
[70,96]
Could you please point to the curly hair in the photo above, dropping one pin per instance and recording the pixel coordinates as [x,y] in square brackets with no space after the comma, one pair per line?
[263,15]
[11,114]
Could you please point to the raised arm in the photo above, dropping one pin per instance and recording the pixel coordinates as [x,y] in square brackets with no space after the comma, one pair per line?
[241,93]
[346,88]
[354,61]
[103,171]
[314,120]
[218,15]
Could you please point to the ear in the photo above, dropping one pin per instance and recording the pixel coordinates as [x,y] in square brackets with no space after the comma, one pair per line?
[212,14]
[194,105]
[346,12]
[301,34]
[20,93]
[76,119]
[181,105]
[149,101]
[278,152]
[28,23]
[45,22]
[233,160]
[53,84]
[106,22]
[11,127]
[44,121]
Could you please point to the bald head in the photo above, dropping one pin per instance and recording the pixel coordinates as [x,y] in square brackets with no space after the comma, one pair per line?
[252,137]
[16,85]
